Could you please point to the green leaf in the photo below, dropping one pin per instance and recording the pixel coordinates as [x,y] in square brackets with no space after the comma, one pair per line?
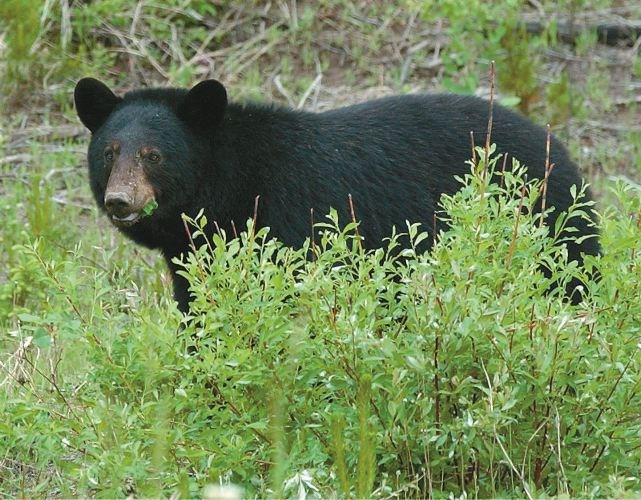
[149,208]
[41,338]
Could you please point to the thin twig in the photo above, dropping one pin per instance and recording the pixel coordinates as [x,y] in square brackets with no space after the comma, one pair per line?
[548,170]
[490,119]
[353,215]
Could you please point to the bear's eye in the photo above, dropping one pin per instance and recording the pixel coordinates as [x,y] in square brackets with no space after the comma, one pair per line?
[153,157]
[109,155]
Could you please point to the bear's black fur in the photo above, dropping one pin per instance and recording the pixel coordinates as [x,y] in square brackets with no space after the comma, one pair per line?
[191,149]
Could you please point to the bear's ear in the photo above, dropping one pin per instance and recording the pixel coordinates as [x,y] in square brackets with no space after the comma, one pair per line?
[94,102]
[204,105]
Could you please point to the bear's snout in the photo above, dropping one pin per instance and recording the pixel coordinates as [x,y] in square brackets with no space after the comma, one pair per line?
[127,194]
[118,203]
[122,208]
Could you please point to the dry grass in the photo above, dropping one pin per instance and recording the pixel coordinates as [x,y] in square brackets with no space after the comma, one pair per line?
[341,53]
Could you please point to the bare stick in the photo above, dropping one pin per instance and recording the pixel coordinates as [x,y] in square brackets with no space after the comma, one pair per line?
[311,219]
[191,240]
[488,136]
[473,147]
[353,215]
[433,229]
[548,170]
[255,217]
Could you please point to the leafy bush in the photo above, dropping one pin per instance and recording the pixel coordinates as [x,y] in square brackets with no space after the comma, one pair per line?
[446,372]
[330,370]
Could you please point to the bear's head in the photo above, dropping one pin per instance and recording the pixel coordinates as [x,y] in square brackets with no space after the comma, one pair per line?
[148,148]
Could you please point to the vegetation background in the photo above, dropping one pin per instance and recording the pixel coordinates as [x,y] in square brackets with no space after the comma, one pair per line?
[452,374]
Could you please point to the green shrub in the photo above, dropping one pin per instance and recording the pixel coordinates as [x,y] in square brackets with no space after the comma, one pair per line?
[465,373]
[329,370]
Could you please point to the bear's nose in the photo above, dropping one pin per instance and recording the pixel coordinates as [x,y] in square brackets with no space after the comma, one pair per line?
[118,202]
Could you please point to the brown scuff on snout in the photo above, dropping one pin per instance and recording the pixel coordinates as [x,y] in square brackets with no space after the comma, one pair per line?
[128,191]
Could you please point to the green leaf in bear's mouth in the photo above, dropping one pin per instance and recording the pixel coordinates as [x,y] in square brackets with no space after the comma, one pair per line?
[149,208]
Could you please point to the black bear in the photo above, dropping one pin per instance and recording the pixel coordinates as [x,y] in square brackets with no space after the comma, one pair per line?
[170,151]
